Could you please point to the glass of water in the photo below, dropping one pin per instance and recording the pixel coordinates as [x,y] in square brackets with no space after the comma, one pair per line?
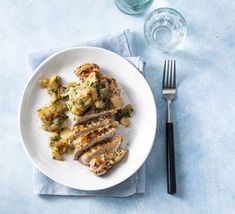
[133,7]
[165,29]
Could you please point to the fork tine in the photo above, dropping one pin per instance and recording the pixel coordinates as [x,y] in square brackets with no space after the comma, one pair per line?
[164,76]
[171,73]
[174,79]
[167,74]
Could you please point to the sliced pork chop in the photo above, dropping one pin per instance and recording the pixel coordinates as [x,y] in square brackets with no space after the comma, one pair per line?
[80,119]
[101,164]
[108,146]
[89,126]
[86,141]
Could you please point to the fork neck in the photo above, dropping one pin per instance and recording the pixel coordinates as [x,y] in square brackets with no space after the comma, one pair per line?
[169,112]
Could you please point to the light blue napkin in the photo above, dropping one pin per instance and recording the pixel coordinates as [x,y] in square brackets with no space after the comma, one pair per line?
[121,44]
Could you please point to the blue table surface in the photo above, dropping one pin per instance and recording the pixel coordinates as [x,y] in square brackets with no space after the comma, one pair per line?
[204,116]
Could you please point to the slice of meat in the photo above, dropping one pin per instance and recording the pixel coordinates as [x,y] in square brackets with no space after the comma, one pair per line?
[117,101]
[89,126]
[88,140]
[80,119]
[100,165]
[108,146]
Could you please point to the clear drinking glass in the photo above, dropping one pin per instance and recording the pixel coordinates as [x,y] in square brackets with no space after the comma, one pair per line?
[165,29]
[133,7]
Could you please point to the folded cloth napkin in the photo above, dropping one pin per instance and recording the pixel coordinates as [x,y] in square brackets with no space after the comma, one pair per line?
[121,44]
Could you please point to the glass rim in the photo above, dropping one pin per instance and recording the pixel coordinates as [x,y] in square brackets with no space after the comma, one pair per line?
[166,9]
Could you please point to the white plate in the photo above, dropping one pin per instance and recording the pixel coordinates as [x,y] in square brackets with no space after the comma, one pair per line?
[140,135]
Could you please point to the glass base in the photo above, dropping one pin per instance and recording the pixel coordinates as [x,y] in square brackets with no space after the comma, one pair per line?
[135,9]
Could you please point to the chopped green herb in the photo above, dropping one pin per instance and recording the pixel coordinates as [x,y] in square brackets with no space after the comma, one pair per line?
[81,102]
[125,112]
[53,102]
[57,79]
[69,107]
[54,139]
[52,91]
[57,121]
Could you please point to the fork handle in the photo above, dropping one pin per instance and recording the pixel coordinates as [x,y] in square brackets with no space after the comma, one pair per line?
[171,181]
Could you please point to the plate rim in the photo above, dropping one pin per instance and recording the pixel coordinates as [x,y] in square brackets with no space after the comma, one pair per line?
[22,98]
